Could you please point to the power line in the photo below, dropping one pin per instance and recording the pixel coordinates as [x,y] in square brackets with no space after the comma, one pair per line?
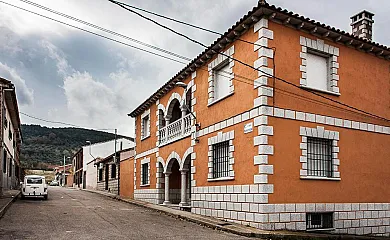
[182,22]
[105,30]
[241,62]
[96,34]
[63,123]
[126,37]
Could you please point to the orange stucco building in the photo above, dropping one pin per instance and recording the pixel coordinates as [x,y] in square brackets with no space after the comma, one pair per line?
[282,123]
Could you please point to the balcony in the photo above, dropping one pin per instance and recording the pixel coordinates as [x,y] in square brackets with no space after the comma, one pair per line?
[175,130]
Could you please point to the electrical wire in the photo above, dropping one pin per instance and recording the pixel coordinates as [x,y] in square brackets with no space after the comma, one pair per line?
[64,123]
[250,81]
[105,30]
[241,62]
[182,22]
[96,34]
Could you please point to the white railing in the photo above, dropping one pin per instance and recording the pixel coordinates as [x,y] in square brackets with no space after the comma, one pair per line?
[175,130]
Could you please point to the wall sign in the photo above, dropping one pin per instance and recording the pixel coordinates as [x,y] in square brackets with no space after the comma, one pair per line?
[248,128]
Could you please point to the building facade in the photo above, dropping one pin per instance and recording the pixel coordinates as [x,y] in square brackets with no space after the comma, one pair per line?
[10,171]
[85,160]
[126,174]
[283,124]
[108,176]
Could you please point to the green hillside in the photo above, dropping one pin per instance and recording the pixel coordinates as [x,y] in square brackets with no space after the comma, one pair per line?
[44,146]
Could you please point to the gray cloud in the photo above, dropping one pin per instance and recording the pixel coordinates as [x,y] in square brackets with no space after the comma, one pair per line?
[25,95]
[64,74]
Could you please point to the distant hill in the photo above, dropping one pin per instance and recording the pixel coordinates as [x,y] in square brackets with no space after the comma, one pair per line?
[43,147]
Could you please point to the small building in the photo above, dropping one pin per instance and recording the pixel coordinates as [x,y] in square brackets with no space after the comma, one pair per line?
[84,161]
[126,174]
[108,171]
[11,137]
[59,174]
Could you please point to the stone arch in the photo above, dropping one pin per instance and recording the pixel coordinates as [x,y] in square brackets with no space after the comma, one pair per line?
[160,160]
[184,163]
[174,96]
[171,158]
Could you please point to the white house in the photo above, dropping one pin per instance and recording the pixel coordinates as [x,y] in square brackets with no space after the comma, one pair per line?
[100,150]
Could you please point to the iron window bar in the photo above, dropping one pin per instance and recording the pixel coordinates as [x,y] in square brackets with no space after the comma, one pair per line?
[319,221]
[221,159]
[319,157]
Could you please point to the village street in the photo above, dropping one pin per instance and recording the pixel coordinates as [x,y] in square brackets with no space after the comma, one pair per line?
[76,214]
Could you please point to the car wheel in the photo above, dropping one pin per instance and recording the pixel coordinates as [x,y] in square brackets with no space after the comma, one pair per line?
[22,196]
[45,197]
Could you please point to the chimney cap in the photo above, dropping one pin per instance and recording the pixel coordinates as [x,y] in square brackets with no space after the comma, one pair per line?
[370,14]
[262,2]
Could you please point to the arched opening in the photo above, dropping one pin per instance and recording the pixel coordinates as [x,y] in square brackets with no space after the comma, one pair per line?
[174,111]
[187,171]
[188,99]
[175,183]
[161,119]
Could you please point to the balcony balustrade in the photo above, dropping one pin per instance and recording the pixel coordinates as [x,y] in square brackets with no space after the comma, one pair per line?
[175,130]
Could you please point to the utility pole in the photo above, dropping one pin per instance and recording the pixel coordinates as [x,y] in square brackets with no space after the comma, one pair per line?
[63,177]
[117,162]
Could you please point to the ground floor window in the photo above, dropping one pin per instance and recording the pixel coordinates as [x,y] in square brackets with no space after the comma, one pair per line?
[145,174]
[319,221]
[113,171]
[221,159]
[100,174]
[319,157]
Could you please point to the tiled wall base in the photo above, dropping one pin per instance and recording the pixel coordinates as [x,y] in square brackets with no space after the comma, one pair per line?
[241,205]
[112,186]
[149,195]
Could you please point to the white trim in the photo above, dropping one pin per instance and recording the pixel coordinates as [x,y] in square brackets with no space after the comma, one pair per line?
[319,132]
[319,178]
[221,137]
[146,153]
[144,115]
[319,46]
[212,66]
[220,179]
[220,99]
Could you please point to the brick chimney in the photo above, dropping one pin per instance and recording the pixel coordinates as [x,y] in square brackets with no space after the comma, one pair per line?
[362,24]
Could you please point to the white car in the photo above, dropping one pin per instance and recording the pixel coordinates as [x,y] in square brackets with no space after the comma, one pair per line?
[34,186]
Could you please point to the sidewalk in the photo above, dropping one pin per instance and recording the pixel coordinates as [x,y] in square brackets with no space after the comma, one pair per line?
[6,200]
[232,227]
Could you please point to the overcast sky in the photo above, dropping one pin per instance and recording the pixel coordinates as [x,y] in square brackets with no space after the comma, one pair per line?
[64,74]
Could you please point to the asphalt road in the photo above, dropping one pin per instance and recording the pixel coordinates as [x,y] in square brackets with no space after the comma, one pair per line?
[75,214]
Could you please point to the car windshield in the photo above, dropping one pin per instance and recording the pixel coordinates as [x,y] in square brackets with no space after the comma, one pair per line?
[34,180]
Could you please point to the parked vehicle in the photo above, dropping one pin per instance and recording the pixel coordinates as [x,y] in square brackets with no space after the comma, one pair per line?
[54,183]
[34,186]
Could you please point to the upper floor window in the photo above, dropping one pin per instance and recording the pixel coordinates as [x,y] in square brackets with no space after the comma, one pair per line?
[319,66]
[317,71]
[221,77]
[145,124]
[221,81]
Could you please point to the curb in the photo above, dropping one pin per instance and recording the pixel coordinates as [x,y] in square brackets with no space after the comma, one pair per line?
[4,209]
[234,228]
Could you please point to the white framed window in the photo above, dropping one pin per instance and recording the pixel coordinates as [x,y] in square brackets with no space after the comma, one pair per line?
[319,157]
[319,66]
[221,157]
[222,81]
[145,172]
[317,71]
[145,125]
[221,77]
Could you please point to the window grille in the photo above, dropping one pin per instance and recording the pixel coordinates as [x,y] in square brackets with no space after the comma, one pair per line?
[145,174]
[221,160]
[101,174]
[4,161]
[113,171]
[319,221]
[319,157]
